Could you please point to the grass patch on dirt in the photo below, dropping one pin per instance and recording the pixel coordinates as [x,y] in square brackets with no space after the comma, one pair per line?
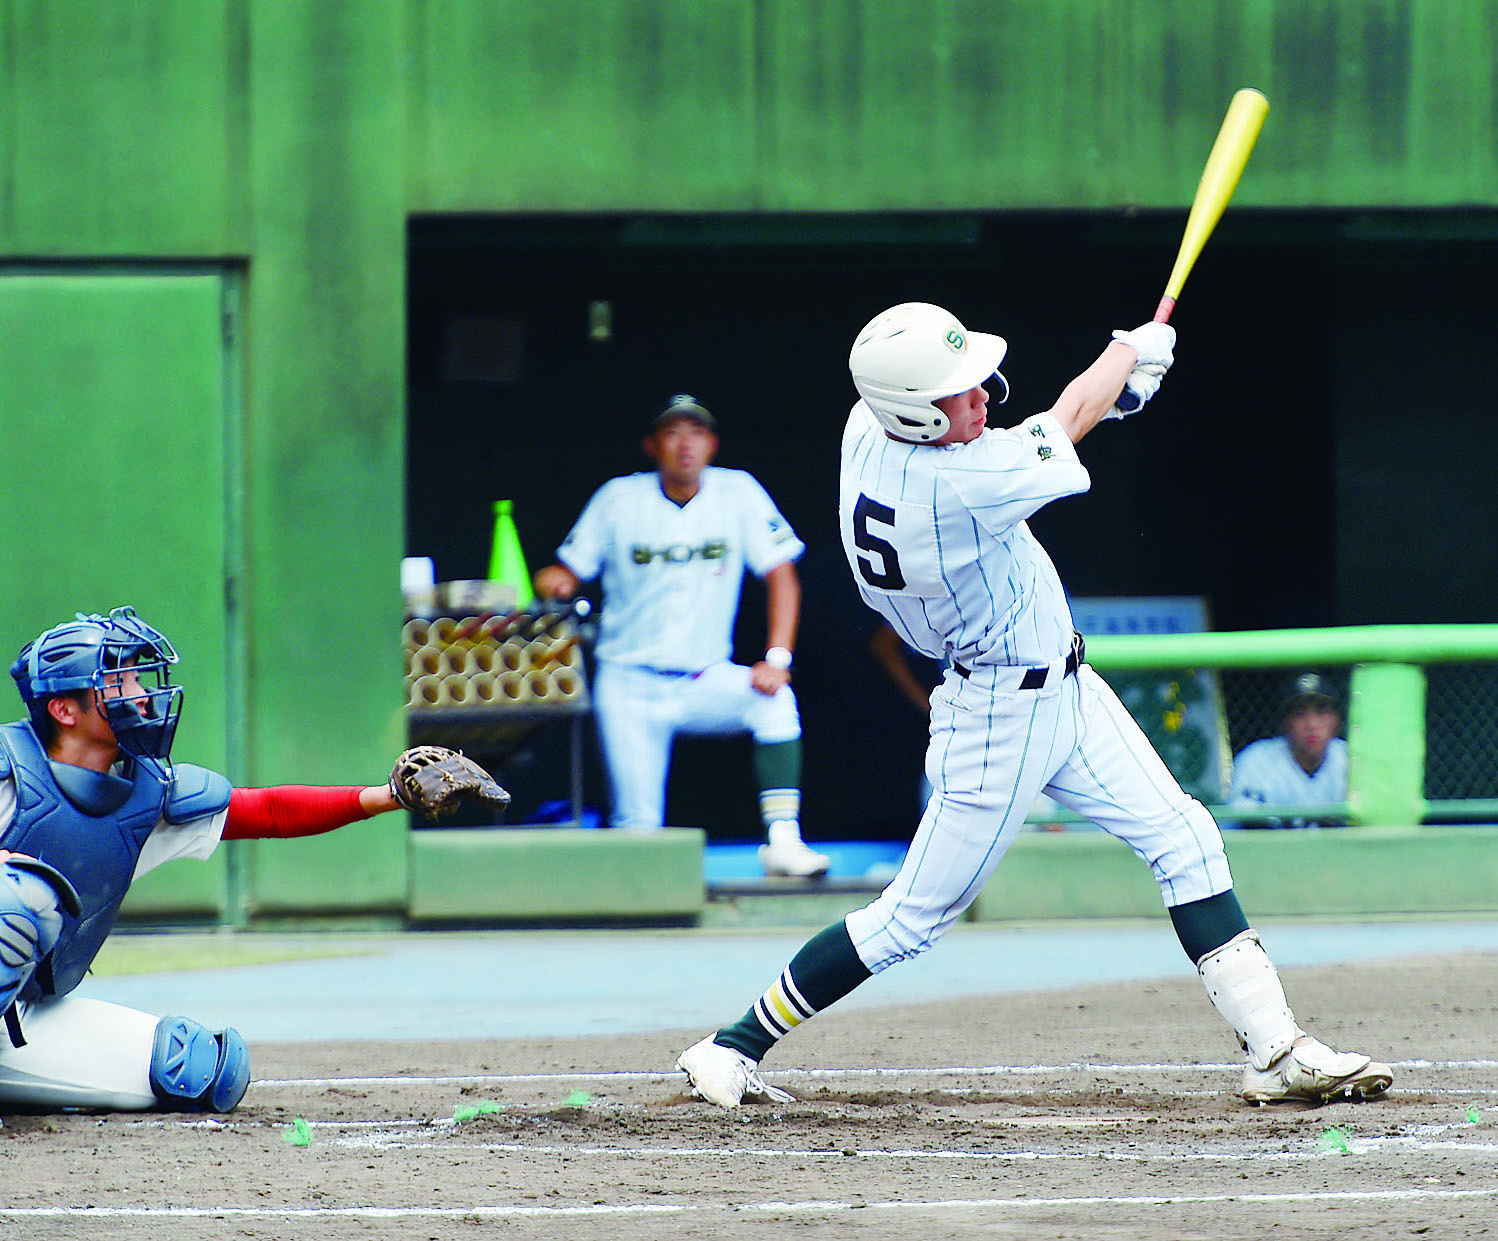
[157,954]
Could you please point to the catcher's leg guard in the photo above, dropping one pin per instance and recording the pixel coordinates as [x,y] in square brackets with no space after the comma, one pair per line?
[80,1053]
[1244,987]
[195,1069]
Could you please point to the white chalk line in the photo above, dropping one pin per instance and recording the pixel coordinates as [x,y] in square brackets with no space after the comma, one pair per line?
[987,1070]
[405,1136]
[482,1211]
[1355,1146]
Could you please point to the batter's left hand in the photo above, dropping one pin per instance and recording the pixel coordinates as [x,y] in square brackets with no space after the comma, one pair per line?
[768,679]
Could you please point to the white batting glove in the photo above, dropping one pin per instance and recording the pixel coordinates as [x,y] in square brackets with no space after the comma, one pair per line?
[1152,341]
[1143,382]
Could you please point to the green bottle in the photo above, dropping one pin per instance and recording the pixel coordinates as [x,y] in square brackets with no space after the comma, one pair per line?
[506,559]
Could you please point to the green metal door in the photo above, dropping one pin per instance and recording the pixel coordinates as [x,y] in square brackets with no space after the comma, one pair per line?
[117,414]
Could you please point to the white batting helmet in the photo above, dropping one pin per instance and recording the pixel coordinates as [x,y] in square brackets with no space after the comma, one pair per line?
[914,354]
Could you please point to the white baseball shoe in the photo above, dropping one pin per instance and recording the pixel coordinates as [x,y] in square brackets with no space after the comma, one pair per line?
[724,1076]
[786,854]
[1311,1072]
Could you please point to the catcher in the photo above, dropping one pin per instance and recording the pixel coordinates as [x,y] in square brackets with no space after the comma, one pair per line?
[89,799]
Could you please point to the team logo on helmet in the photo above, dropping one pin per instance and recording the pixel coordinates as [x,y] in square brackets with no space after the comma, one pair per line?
[956,341]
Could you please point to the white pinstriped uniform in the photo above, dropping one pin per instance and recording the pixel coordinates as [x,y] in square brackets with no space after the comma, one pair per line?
[938,543]
[1268,771]
[672,576]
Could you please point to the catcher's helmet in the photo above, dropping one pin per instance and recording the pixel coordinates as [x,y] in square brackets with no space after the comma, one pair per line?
[912,355]
[87,653]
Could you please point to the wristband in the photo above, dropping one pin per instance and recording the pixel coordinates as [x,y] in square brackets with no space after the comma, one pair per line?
[778,657]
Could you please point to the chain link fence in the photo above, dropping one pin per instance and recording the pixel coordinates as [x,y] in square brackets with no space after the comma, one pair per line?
[1461,732]
[1198,719]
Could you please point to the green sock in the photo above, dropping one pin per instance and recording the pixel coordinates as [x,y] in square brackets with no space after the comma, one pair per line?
[825,969]
[777,769]
[1204,925]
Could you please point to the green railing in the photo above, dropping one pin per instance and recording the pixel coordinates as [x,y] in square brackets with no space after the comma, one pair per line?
[1389,736]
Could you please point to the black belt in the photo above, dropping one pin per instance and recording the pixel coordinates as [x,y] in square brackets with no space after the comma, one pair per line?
[1034,678]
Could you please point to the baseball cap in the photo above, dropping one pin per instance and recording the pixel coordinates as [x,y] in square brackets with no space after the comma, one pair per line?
[1309,689]
[683,406]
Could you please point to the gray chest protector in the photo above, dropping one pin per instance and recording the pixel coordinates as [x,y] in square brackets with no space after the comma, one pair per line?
[92,828]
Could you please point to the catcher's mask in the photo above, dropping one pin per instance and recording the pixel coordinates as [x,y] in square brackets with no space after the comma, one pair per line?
[914,354]
[125,661]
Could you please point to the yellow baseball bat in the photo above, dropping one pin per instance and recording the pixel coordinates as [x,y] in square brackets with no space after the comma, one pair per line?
[1225,163]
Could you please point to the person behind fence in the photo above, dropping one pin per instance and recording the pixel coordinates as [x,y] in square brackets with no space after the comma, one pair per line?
[672,545]
[89,801]
[1305,764]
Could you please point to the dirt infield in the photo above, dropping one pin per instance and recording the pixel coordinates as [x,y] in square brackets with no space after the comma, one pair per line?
[1098,1112]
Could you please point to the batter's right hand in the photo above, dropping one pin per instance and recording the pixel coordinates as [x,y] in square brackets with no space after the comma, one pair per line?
[1152,341]
[1143,382]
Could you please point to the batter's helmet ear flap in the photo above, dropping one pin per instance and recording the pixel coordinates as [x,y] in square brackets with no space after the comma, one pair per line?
[913,355]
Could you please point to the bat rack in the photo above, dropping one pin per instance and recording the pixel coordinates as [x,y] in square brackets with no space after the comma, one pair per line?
[489,685]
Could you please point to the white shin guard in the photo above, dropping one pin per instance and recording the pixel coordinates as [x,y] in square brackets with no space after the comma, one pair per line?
[1244,987]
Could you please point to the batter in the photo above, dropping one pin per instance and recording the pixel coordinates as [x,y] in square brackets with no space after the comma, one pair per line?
[933,508]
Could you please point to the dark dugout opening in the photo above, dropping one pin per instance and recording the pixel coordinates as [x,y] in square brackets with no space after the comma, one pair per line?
[1318,455]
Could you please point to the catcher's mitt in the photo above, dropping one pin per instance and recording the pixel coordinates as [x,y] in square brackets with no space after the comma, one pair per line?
[430,780]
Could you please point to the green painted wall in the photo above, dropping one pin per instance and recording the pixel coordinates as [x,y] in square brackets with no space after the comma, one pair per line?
[90,363]
[269,134]
[122,128]
[324,445]
[856,105]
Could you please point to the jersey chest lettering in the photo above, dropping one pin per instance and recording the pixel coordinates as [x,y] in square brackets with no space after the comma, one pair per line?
[678,553]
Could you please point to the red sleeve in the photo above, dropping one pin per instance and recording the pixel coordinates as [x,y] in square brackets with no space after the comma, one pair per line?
[290,810]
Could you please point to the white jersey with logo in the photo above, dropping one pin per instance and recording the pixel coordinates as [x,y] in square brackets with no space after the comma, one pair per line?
[672,573]
[1267,773]
[938,544]
[672,576]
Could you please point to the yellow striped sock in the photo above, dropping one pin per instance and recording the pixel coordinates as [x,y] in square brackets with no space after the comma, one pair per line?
[778,804]
[781,1009]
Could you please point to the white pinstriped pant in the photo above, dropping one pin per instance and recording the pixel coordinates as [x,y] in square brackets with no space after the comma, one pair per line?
[991,754]
[639,711]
